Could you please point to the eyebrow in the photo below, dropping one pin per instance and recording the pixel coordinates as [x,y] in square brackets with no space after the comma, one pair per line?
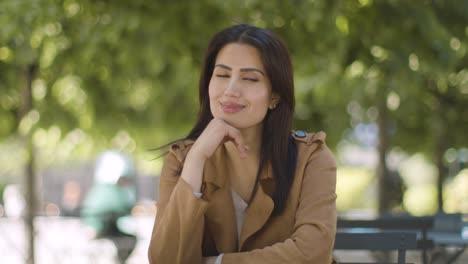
[242,69]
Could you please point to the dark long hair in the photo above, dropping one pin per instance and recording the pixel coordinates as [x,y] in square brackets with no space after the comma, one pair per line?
[277,147]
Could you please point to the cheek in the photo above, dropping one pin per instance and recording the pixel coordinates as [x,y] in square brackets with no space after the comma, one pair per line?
[212,91]
[261,94]
[262,97]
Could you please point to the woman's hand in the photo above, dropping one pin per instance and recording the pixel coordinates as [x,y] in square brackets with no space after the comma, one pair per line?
[216,133]
[209,260]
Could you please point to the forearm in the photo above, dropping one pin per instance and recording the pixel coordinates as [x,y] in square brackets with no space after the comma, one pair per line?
[178,229]
[178,233]
[192,171]
[313,244]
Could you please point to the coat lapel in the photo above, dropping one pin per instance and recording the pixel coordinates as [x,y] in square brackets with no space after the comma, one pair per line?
[220,216]
[221,220]
[257,214]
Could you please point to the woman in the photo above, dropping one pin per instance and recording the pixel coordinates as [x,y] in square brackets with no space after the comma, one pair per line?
[241,187]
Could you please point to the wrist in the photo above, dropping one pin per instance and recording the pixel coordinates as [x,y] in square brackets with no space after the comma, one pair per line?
[196,156]
[192,171]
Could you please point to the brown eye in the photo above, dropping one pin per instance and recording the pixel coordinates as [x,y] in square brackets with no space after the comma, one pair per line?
[222,75]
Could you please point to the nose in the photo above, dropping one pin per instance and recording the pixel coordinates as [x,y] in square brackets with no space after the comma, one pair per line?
[232,89]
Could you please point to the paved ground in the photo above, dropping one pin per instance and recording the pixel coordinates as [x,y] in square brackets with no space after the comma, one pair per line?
[64,240]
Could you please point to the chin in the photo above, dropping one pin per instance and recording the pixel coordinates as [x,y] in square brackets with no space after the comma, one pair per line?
[242,125]
[238,120]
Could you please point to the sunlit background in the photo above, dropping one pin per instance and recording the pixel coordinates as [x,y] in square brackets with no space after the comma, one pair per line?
[386,80]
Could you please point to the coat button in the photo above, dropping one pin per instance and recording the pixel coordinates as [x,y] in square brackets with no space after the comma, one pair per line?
[300,134]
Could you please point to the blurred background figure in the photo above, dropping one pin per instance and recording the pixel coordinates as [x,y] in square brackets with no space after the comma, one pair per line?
[71,198]
[108,204]
[13,200]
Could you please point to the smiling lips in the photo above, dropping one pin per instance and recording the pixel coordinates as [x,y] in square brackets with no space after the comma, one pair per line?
[231,107]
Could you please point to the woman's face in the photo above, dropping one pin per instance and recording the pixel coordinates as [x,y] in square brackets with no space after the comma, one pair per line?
[240,91]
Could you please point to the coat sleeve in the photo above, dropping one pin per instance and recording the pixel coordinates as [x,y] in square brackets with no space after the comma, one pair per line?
[178,228]
[315,226]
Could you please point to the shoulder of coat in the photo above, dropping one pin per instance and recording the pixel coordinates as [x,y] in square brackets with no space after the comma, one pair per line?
[308,138]
[180,148]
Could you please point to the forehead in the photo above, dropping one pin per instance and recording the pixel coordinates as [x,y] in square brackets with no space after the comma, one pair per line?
[238,55]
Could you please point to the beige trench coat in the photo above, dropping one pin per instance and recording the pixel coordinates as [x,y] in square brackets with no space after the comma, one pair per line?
[188,228]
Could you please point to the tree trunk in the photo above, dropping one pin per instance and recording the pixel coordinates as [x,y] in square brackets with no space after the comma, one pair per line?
[30,201]
[439,148]
[382,169]
[441,169]
[439,138]
[30,178]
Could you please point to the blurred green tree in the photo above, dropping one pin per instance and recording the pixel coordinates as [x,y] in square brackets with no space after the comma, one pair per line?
[405,66]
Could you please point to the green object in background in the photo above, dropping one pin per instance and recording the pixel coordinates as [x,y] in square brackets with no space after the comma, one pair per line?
[104,205]
[112,195]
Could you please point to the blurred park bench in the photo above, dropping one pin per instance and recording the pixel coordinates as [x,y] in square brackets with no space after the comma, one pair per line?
[378,240]
[437,232]
[448,232]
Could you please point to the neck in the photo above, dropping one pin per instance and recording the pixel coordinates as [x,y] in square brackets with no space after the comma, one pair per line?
[253,139]
[243,172]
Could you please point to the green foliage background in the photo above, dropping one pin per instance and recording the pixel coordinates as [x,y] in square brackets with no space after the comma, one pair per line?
[124,74]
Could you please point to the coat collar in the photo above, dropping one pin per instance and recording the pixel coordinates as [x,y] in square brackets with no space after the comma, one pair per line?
[221,218]
[257,214]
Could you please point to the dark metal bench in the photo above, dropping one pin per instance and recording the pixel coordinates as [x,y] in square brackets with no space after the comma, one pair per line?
[420,225]
[386,241]
[447,232]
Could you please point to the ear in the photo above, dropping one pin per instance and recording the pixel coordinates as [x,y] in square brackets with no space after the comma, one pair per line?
[274,101]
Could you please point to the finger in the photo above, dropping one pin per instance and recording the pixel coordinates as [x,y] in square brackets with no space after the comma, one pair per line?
[245,153]
[238,140]
[243,149]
